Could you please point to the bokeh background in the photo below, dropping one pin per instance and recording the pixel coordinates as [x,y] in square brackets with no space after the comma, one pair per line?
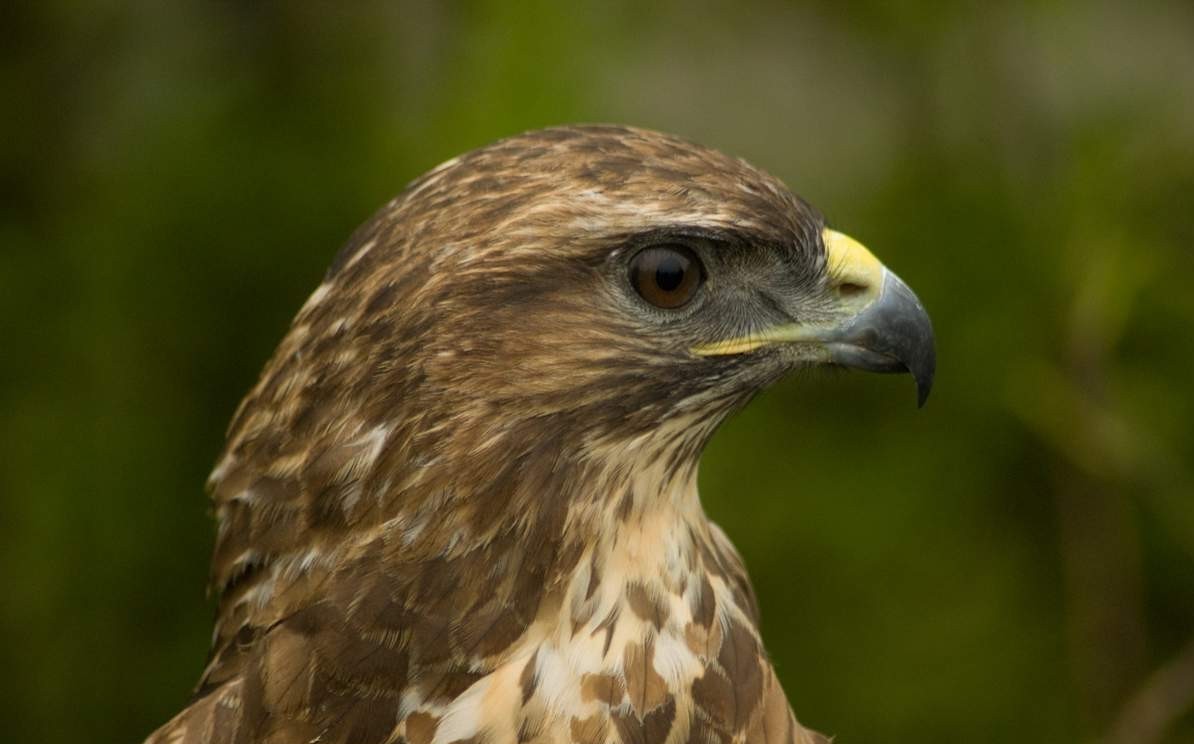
[1013,563]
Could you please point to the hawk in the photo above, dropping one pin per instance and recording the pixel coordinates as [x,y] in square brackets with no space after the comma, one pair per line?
[460,504]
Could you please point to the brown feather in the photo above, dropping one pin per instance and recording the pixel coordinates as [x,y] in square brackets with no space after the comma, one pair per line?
[463,461]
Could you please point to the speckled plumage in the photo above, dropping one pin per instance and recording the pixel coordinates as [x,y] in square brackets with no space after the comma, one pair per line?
[460,504]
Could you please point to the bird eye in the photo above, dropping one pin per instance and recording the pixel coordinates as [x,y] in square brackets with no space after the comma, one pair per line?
[666,276]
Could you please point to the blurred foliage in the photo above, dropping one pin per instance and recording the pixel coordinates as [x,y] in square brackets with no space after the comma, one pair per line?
[1013,563]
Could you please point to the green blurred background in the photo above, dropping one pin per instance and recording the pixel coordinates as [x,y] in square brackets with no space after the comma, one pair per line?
[1013,563]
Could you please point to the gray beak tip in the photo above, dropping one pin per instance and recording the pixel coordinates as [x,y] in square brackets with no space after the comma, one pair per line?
[924,385]
[924,370]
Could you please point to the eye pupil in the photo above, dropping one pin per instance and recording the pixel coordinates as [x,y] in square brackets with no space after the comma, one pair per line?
[670,275]
[667,276]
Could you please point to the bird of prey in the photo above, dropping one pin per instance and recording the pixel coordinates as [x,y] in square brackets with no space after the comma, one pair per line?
[460,505]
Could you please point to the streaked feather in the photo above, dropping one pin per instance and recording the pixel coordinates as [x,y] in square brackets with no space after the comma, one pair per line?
[460,504]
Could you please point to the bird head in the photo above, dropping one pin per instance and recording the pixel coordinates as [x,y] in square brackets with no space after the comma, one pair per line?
[616,281]
[579,297]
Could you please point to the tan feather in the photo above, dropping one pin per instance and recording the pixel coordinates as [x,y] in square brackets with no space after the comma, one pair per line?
[460,504]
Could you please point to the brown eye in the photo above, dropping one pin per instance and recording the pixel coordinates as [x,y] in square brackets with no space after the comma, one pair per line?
[666,276]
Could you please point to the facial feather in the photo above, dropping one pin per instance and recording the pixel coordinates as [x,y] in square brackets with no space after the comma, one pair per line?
[460,503]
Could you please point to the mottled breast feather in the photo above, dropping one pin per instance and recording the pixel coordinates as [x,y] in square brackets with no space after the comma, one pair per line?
[460,503]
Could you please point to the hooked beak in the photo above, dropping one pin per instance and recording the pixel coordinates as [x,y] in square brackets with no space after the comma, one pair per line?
[879,324]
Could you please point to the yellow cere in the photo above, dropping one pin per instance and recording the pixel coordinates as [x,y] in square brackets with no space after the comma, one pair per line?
[851,263]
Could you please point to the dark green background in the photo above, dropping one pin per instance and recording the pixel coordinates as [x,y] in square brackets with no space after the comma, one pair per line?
[1013,563]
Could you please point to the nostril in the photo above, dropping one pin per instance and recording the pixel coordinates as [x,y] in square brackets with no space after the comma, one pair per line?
[851,289]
